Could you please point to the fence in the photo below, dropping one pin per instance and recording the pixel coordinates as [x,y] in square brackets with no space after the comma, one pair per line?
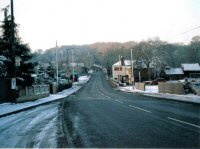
[33,92]
[170,87]
[140,86]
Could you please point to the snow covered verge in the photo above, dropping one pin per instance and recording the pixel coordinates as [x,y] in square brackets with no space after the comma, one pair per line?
[152,91]
[7,108]
[82,80]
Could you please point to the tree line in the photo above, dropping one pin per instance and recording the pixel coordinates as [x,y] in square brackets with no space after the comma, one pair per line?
[153,52]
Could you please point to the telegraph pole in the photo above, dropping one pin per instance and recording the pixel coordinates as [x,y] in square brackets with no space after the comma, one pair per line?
[57,64]
[73,65]
[132,66]
[13,75]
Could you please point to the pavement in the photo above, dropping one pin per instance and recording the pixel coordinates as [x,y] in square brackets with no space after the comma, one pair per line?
[152,91]
[12,108]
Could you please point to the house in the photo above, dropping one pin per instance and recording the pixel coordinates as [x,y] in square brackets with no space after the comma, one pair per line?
[191,70]
[121,71]
[174,73]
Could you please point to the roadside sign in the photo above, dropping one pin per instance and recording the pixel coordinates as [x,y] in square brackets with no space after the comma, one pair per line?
[17,61]
[13,83]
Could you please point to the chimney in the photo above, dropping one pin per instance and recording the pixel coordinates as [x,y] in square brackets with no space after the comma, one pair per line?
[122,61]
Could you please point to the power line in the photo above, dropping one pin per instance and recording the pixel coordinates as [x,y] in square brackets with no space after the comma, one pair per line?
[190,30]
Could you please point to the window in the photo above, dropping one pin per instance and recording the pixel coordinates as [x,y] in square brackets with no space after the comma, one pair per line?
[118,68]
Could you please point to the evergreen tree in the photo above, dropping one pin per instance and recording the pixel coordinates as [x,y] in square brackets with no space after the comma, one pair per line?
[50,71]
[22,50]
[40,74]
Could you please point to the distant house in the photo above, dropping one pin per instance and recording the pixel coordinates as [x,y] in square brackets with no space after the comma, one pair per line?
[191,70]
[174,73]
[121,71]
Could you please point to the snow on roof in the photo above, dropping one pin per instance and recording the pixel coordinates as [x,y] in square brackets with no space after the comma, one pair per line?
[126,62]
[174,71]
[191,67]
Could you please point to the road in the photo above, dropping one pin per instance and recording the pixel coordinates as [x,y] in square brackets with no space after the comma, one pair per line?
[100,116]
[35,128]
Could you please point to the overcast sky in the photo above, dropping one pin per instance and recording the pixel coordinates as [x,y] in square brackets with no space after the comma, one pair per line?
[42,22]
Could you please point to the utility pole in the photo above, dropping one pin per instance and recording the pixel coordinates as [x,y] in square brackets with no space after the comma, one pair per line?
[57,64]
[132,66]
[73,64]
[13,75]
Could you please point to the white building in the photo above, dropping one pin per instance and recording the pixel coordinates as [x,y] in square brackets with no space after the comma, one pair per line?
[122,71]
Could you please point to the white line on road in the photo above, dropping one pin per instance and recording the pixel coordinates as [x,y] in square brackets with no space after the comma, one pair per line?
[140,109]
[119,101]
[183,122]
[108,97]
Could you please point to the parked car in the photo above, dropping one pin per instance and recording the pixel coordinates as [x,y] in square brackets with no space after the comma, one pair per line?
[155,82]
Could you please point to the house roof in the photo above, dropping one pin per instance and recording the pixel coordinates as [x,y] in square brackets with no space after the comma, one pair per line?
[174,71]
[126,62]
[191,67]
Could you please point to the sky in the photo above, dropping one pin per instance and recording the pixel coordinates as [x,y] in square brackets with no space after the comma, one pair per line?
[43,22]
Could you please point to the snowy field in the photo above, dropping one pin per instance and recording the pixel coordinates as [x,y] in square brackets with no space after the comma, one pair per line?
[153,92]
[10,107]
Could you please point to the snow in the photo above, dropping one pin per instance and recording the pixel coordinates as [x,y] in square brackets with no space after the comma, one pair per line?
[10,107]
[82,80]
[2,58]
[152,91]
[191,67]
[126,62]
[174,71]
[38,127]
[148,89]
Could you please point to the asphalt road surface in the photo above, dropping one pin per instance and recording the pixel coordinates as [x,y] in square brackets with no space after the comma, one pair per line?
[100,116]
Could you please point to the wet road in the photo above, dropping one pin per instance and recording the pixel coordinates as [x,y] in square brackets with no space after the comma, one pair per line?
[99,116]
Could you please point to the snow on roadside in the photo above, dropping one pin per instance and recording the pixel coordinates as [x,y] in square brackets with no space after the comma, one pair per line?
[153,92]
[10,107]
[82,80]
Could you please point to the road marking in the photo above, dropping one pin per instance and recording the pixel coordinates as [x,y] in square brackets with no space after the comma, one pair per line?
[119,101]
[183,122]
[139,108]
[108,97]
